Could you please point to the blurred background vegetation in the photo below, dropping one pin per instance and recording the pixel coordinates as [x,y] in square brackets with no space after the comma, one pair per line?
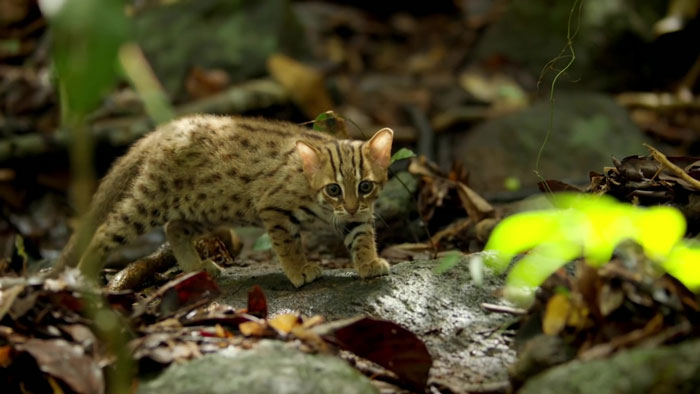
[464,83]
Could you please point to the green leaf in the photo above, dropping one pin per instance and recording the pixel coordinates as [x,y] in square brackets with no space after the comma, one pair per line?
[86,35]
[331,123]
[262,243]
[403,153]
[21,251]
[447,262]
[589,226]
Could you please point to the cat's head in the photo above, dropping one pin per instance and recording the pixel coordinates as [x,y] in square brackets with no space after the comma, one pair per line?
[348,175]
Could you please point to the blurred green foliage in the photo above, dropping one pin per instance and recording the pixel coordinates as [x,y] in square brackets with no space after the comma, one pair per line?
[588,226]
[86,37]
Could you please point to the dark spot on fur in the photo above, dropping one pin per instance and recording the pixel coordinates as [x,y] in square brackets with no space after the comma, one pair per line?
[139,228]
[141,209]
[272,144]
[232,172]
[202,196]
[245,179]
[178,183]
[245,143]
[155,213]
[126,219]
[118,239]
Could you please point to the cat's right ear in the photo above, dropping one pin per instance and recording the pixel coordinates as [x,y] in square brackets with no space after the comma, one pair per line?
[310,157]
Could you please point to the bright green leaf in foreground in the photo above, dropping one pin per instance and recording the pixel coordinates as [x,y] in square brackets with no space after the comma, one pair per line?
[403,153]
[588,226]
[684,263]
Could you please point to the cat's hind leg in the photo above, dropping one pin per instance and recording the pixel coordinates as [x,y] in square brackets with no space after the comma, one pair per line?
[181,236]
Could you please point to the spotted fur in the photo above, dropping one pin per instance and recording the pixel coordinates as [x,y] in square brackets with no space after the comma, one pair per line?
[200,172]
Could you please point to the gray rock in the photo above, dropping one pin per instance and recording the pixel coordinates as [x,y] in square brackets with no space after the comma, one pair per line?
[466,343]
[270,367]
[672,369]
[588,129]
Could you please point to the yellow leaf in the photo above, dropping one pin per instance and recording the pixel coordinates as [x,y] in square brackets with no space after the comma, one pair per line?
[221,332]
[284,323]
[556,315]
[252,329]
[313,321]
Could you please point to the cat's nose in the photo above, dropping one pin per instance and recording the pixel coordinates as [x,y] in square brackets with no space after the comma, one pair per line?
[352,209]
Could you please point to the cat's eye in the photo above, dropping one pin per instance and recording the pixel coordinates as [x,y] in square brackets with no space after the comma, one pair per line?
[333,190]
[365,187]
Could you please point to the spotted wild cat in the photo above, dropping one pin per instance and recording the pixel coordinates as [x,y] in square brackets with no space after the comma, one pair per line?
[197,173]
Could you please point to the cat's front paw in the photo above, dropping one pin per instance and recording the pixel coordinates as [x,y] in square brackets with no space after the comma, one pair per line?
[307,274]
[213,269]
[376,267]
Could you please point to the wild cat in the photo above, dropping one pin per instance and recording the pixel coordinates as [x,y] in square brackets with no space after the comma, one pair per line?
[198,173]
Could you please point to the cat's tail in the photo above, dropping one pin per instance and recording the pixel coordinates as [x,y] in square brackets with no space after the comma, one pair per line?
[112,189]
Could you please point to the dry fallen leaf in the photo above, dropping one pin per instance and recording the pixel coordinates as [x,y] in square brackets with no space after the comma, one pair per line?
[556,314]
[66,362]
[284,323]
[257,304]
[387,344]
[252,328]
[306,85]
[5,358]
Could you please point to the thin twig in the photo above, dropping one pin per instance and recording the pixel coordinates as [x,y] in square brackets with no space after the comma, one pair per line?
[503,309]
[661,158]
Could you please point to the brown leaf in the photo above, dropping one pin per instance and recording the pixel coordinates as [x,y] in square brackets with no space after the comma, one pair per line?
[257,304]
[389,345]
[202,82]
[191,289]
[5,358]
[66,362]
[552,185]
[7,298]
[476,206]
[610,298]
[305,85]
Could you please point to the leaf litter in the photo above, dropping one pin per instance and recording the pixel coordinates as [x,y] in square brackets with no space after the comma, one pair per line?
[45,332]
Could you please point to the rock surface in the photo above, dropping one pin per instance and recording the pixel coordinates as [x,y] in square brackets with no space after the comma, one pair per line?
[236,36]
[467,344]
[672,369]
[272,367]
[588,129]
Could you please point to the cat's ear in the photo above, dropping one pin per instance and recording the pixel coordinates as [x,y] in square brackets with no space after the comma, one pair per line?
[309,156]
[379,147]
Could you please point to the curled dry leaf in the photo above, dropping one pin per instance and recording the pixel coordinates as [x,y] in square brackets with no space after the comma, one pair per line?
[387,344]
[257,303]
[196,288]
[66,362]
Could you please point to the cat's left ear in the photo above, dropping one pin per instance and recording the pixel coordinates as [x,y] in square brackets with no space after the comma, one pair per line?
[309,156]
[379,147]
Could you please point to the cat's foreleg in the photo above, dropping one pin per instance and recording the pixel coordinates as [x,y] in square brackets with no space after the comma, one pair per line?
[359,240]
[286,242]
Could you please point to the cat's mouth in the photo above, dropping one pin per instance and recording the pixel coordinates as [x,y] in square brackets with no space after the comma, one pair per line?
[356,217]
